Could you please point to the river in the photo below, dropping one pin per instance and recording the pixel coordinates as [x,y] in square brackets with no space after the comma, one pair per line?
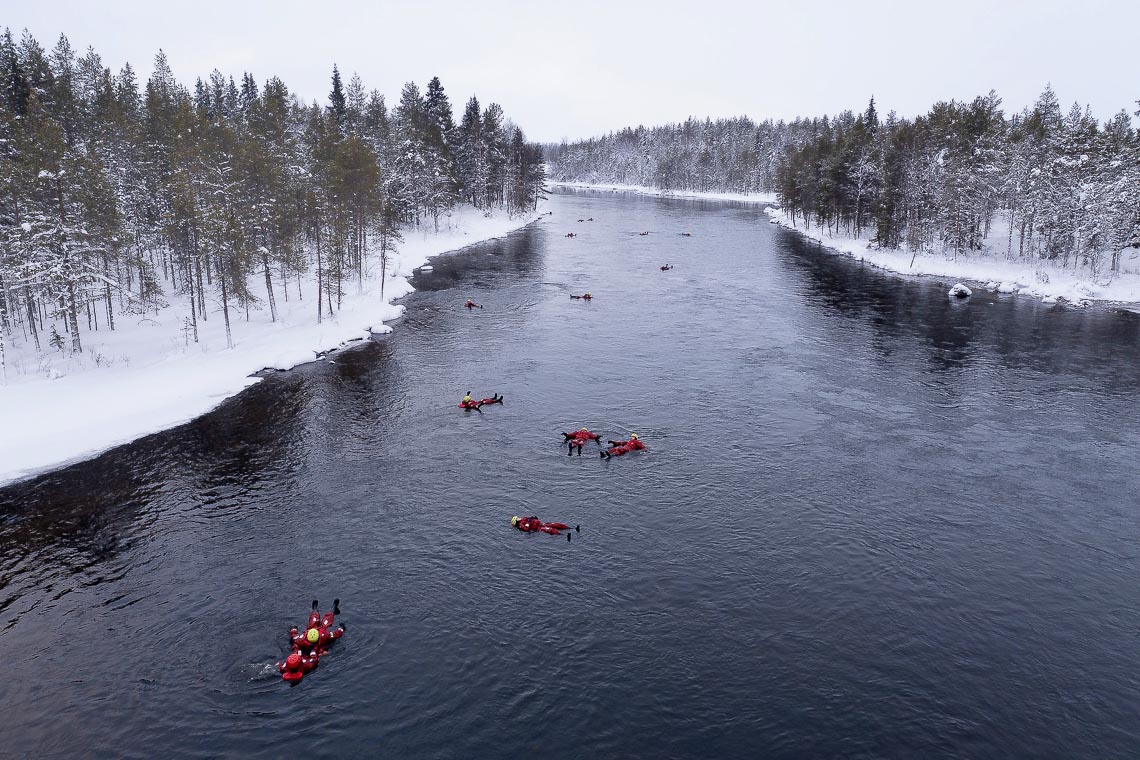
[871,522]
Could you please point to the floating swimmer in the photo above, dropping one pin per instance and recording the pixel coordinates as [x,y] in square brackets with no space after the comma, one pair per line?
[620,448]
[583,297]
[534,525]
[578,438]
[666,267]
[469,403]
[472,305]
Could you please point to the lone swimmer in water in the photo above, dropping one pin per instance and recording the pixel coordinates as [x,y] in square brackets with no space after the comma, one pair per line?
[620,448]
[578,438]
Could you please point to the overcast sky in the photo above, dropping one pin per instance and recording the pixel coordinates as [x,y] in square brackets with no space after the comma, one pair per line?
[575,69]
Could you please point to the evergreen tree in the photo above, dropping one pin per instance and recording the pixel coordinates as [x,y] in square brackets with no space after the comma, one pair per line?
[338,104]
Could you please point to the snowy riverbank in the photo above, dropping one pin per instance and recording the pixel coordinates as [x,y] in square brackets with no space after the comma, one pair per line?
[1038,279]
[146,376]
[645,190]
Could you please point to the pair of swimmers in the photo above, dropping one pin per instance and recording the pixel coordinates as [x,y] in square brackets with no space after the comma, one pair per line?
[578,438]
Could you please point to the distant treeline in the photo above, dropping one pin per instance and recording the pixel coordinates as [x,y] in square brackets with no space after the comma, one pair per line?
[1066,187]
[112,198]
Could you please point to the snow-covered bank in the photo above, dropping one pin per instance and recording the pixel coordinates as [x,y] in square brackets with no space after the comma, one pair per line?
[147,376]
[644,190]
[1039,279]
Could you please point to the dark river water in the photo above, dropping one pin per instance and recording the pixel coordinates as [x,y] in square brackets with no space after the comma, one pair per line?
[872,523]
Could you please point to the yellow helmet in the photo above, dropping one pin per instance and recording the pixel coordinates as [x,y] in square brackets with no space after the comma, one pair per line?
[633,436]
[584,430]
[312,635]
[515,521]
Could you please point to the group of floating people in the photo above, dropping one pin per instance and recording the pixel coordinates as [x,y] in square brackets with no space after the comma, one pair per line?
[309,645]
[578,438]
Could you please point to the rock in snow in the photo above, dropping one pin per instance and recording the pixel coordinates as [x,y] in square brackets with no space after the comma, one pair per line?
[960,291]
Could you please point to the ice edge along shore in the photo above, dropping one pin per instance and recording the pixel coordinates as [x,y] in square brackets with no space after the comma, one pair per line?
[1039,279]
[57,420]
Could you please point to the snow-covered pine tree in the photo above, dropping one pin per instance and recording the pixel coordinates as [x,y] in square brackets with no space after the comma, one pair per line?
[338,104]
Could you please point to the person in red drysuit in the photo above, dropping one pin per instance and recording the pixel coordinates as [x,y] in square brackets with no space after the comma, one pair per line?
[583,297]
[496,399]
[319,632]
[578,438]
[533,524]
[618,448]
[292,669]
[472,305]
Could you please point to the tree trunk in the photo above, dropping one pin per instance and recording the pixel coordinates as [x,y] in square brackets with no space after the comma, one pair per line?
[32,317]
[73,319]
[319,308]
[198,276]
[225,309]
[269,285]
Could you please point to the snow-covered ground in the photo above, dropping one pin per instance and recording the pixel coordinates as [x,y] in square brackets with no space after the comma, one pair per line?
[644,190]
[146,376]
[990,269]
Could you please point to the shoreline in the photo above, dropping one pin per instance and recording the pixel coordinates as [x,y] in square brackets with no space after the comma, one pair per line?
[1037,279]
[762,198]
[60,419]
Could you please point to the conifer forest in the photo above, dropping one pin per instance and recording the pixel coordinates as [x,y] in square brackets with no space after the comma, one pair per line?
[1063,186]
[116,194]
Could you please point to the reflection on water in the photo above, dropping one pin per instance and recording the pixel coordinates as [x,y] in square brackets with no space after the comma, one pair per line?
[872,523]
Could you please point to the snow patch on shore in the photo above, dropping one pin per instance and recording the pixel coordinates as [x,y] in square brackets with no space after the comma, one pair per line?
[645,190]
[147,375]
[1037,279]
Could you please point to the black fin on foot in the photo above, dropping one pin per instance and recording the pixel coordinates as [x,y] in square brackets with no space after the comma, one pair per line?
[336,606]
[314,605]
[577,528]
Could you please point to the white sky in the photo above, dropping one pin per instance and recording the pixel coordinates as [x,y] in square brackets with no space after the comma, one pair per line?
[576,69]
